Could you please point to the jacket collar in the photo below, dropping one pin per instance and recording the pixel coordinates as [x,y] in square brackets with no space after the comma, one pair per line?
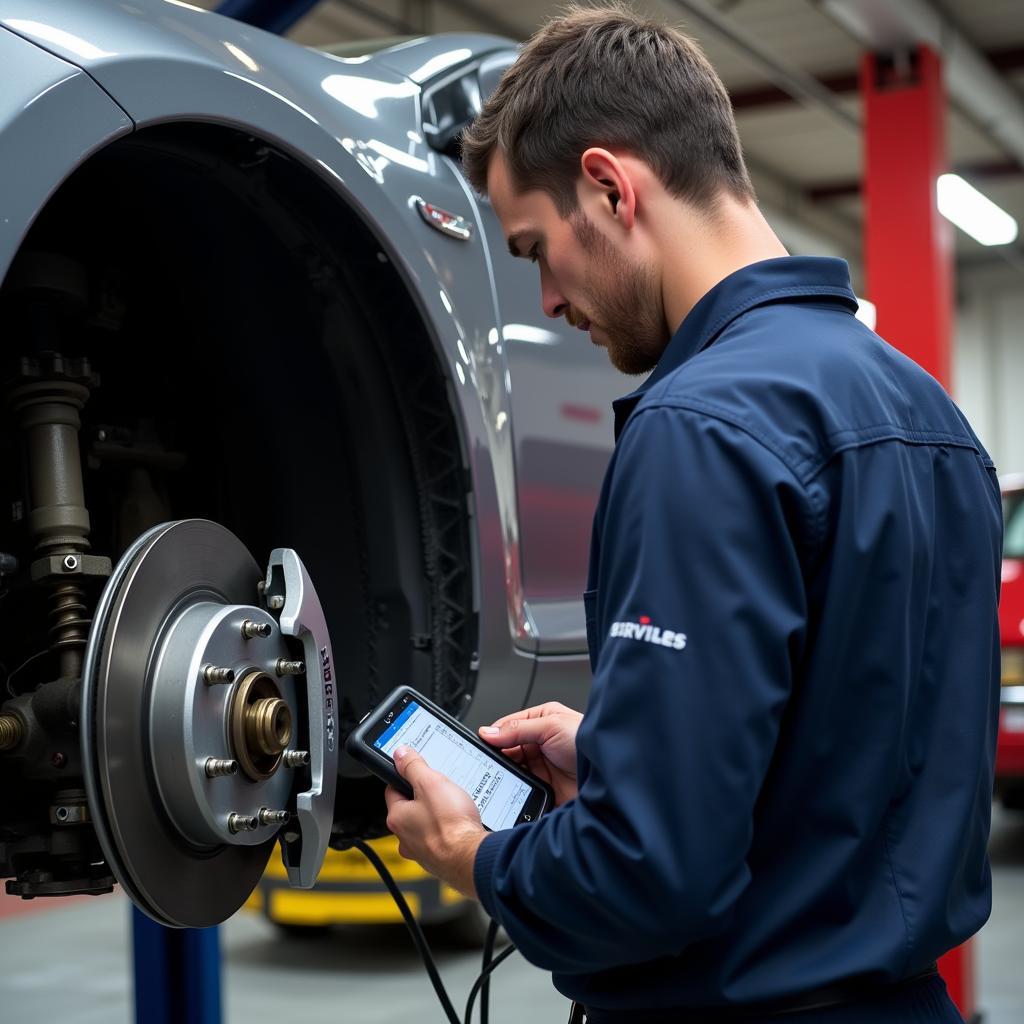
[754,285]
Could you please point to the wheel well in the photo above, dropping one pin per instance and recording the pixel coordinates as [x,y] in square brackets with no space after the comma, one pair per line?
[262,364]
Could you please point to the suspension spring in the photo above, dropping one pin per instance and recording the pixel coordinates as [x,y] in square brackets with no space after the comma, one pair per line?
[69,621]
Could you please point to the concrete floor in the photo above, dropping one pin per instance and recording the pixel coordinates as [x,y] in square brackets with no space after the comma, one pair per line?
[70,963]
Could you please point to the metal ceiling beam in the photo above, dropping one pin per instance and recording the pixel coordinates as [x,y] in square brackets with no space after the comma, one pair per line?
[271,15]
[843,83]
[366,10]
[792,80]
[808,90]
[824,191]
[1008,59]
[786,206]
[783,200]
[971,81]
[490,22]
[406,26]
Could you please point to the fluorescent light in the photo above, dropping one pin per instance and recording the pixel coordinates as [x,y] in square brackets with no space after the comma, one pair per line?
[974,213]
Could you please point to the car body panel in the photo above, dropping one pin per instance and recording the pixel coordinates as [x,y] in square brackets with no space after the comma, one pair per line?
[532,395]
[426,60]
[165,61]
[354,124]
[52,110]
[562,387]
[564,678]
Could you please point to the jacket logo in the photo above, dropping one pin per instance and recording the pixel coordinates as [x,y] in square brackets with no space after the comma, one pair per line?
[643,630]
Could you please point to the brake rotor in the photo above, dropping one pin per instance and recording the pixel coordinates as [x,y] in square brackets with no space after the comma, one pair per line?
[200,742]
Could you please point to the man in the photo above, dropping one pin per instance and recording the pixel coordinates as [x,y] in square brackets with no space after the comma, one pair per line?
[784,771]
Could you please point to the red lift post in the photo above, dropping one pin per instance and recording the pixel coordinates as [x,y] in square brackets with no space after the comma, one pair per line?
[908,254]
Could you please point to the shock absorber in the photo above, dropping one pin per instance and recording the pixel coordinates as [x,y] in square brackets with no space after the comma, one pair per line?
[47,395]
[50,846]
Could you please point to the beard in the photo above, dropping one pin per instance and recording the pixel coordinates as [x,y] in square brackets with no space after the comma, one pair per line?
[622,299]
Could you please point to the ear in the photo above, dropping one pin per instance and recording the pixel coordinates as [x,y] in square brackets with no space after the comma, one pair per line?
[605,178]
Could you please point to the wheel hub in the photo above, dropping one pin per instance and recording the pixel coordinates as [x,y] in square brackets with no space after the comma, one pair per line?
[261,725]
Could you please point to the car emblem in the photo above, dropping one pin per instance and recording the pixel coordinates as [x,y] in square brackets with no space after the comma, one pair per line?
[447,223]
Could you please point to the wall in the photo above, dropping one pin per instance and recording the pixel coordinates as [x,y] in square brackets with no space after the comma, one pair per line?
[988,360]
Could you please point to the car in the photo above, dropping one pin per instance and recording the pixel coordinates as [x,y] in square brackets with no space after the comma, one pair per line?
[327,436]
[1010,748]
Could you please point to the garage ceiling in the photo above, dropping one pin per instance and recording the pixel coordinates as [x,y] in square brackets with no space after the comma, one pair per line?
[804,160]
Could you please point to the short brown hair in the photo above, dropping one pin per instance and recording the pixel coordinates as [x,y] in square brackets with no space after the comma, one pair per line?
[606,76]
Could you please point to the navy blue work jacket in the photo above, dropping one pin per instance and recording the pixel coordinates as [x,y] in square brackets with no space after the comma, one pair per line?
[785,765]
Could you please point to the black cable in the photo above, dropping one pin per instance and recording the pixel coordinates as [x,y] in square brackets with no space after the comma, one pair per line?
[485,990]
[482,983]
[414,928]
[482,980]
[25,663]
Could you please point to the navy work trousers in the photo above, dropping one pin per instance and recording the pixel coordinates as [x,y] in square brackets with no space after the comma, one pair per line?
[917,1002]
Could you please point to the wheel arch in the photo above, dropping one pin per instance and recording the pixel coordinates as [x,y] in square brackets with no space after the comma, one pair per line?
[421,486]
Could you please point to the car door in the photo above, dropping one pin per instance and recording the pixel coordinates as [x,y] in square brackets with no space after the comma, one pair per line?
[561,388]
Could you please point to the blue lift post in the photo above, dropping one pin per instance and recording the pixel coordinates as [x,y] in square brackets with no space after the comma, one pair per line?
[177,971]
[273,15]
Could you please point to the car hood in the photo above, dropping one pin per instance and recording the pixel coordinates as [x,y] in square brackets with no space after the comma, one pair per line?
[98,35]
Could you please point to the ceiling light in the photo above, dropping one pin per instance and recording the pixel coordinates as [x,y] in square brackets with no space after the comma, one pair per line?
[974,213]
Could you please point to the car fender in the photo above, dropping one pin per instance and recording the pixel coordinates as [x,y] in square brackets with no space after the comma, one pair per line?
[53,117]
[355,125]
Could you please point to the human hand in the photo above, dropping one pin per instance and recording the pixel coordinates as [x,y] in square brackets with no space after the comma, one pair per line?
[543,740]
[439,827]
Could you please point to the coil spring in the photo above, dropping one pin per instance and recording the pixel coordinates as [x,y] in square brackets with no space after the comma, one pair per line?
[11,732]
[69,621]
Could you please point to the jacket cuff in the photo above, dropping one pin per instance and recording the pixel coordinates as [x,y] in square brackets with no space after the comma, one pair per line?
[487,855]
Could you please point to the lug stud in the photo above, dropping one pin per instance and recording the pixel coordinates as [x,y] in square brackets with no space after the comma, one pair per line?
[251,629]
[218,766]
[269,817]
[296,758]
[242,823]
[290,668]
[212,674]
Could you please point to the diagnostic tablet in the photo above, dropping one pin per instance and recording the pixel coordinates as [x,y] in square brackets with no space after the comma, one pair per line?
[505,794]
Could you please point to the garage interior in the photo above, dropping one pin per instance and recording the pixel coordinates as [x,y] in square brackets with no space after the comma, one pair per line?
[799,74]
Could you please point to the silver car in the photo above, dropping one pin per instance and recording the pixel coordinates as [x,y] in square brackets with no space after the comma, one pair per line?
[285,427]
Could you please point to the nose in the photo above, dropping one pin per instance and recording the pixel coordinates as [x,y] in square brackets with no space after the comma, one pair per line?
[553,302]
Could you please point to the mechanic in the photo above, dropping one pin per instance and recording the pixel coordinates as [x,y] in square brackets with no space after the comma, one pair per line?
[784,770]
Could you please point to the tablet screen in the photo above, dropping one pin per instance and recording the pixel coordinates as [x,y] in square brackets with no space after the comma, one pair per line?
[498,794]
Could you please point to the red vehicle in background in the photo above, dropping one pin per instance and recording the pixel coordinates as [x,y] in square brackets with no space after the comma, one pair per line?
[1010,752]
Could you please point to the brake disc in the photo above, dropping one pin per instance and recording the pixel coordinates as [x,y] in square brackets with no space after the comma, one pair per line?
[208,722]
